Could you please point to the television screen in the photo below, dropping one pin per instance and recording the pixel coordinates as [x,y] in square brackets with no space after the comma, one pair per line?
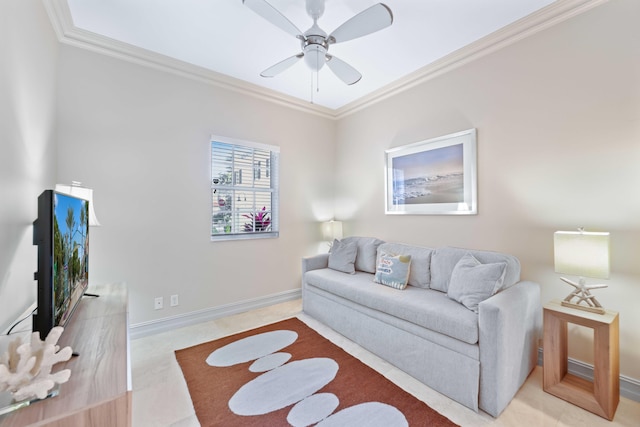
[70,254]
[62,235]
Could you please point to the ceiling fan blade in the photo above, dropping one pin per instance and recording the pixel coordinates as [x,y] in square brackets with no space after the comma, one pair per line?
[273,15]
[276,69]
[368,21]
[344,71]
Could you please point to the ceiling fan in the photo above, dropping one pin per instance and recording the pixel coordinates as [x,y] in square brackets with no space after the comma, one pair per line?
[315,42]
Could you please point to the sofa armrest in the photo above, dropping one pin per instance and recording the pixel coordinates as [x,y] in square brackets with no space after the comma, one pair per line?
[315,262]
[510,324]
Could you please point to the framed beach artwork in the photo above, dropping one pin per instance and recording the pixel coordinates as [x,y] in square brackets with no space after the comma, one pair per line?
[433,177]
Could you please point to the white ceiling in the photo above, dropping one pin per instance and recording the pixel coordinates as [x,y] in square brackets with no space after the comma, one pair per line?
[227,37]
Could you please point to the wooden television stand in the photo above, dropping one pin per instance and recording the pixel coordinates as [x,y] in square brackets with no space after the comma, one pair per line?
[99,390]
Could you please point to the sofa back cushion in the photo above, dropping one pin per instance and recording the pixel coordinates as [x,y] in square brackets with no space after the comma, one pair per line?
[419,272]
[366,252]
[444,259]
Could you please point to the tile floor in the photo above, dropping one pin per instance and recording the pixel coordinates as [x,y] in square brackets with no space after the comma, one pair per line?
[161,398]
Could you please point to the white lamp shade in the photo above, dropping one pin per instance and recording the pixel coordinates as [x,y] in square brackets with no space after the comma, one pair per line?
[332,230]
[581,253]
[81,193]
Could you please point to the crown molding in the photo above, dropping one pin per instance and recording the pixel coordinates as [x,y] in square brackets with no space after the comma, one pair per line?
[553,14]
[67,33]
[557,12]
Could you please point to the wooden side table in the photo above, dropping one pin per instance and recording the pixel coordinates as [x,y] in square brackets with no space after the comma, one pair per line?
[603,394]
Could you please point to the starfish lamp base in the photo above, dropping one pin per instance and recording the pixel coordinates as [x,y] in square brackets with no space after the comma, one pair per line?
[582,294]
[598,310]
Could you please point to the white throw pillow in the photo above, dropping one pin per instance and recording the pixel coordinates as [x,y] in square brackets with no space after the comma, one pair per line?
[342,256]
[473,282]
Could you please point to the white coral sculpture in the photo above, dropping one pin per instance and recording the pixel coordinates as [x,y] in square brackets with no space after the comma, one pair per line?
[25,369]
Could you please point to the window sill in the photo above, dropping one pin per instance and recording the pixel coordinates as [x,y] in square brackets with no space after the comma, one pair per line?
[243,236]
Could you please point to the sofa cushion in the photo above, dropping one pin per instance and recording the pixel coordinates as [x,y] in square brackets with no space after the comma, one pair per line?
[473,282]
[393,270]
[419,274]
[424,307]
[367,250]
[342,256]
[444,259]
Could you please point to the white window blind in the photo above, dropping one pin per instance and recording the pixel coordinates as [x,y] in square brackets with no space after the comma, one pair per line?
[244,189]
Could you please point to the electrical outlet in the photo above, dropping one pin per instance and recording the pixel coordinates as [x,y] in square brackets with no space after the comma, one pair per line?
[158,303]
[174,300]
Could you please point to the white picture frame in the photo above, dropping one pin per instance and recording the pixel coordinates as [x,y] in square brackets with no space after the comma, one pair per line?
[437,176]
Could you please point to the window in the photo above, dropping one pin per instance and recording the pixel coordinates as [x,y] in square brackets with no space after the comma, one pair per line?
[244,189]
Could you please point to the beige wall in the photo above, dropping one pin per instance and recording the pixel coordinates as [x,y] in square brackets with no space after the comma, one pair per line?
[558,120]
[140,138]
[28,59]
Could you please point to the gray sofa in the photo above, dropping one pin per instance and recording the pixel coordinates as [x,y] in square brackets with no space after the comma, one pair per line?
[478,355]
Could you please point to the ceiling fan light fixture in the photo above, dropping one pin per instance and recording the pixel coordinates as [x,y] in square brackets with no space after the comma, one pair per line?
[314,57]
[315,48]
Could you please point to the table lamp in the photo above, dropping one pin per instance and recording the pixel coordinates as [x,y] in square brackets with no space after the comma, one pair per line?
[331,230]
[583,254]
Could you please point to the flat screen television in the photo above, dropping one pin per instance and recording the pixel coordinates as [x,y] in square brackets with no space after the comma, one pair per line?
[61,233]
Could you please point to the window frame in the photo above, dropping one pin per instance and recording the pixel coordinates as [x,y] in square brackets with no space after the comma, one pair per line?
[238,189]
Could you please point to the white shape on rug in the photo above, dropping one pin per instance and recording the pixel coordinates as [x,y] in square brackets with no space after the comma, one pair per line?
[251,348]
[295,382]
[370,414]
[283,386]
[269,362]
[313,409]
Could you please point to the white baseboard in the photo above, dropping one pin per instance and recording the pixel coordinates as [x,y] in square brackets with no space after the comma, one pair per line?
[629,387]
[151,327]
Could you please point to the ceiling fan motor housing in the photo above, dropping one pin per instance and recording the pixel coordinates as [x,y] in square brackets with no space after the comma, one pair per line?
[315,8]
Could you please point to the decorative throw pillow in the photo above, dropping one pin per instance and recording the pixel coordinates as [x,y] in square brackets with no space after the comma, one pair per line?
[420,274]
[393,270]
[473,282]
[342,256]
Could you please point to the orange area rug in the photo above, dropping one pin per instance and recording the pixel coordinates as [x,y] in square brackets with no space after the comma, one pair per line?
[286,374]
